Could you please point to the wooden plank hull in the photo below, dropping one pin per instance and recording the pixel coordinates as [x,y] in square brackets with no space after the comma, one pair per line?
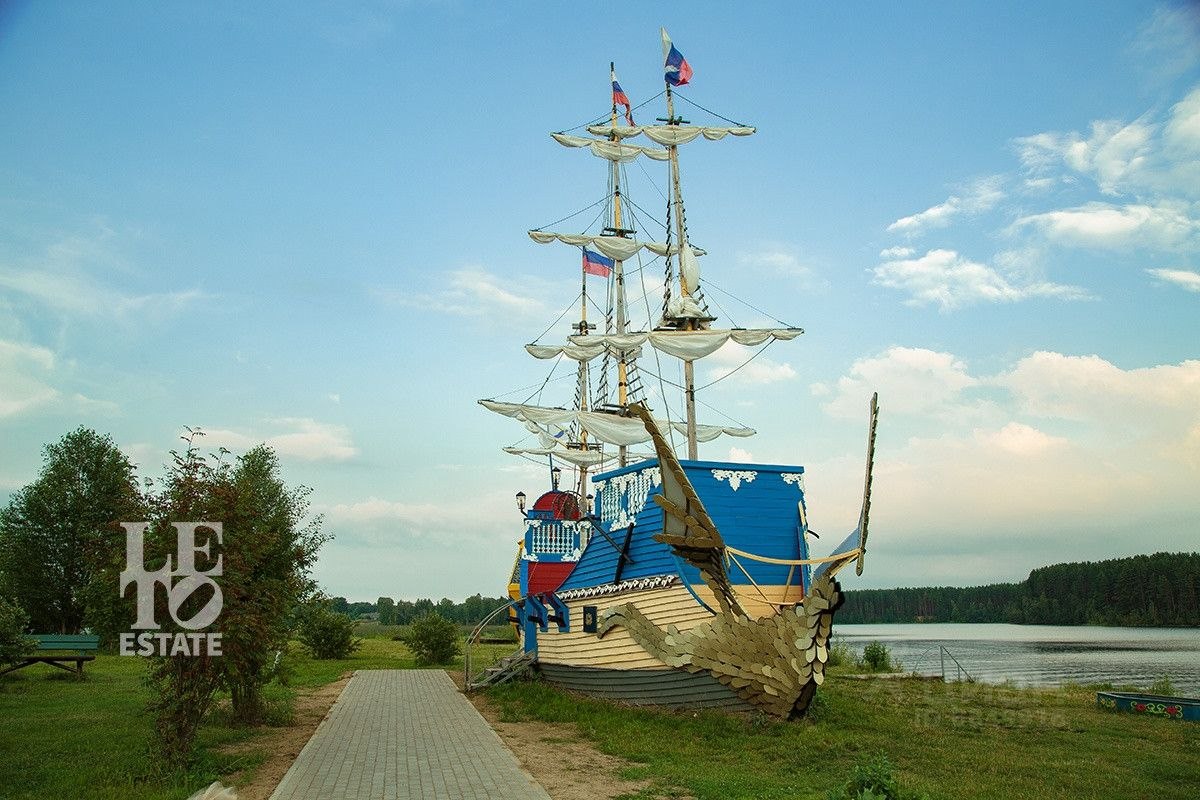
[665,687]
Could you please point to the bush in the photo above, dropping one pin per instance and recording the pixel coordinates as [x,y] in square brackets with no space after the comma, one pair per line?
[873,780]
[14,644]
[433,640]
[326,633]
[839,655]
[878,658]
[1162,686]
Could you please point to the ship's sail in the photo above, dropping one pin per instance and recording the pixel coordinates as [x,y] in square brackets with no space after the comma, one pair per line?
[612,246]
[683,329]
[609,428]
[613,149]
[684,345]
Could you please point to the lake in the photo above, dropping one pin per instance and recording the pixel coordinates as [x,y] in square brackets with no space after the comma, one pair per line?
[1041,655]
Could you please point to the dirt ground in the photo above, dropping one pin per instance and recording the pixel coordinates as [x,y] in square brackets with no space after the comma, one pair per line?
[284,744]
[553,755]
[531,742]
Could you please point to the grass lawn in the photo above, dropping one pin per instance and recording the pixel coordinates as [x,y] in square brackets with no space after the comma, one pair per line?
[947,740]
[61,737]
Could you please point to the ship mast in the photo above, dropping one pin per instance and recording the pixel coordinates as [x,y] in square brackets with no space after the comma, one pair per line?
[582,380]
[619,271]
[689,370]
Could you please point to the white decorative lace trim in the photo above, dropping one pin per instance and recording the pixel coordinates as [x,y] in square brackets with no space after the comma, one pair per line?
[793,477]
[633,585]
[734,476]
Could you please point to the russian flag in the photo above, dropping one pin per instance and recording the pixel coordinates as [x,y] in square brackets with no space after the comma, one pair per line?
[596,264]
[678,70]
[620,98]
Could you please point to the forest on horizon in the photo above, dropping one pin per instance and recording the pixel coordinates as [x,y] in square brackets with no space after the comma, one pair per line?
[1159,590]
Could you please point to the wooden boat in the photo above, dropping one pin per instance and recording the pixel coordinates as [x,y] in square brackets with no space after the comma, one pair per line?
[656,580]
[1150,704]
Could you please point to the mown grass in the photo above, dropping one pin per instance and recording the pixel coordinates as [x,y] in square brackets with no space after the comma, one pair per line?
[63,738]
[946,740]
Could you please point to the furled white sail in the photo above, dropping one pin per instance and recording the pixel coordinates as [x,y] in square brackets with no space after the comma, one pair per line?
[613,151]
[614,247]
[603,427]
[689,268]
[684,345]
[580,458]
[667,134]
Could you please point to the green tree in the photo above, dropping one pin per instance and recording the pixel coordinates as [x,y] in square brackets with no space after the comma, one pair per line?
[14,644]
[61,544]
[387,610]
[325,632]
[267,551]
[433,639]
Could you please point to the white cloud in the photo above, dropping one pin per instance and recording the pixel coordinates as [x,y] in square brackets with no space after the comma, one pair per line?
[74,277]
[1167,226]
[947,279]
[914,381]
[1168,42]
[475,292]
[1062,443]
[1182,133]
[81,295]
[777,258]
[1149,156]
[1089,388]
[1019,439]
[730,361]
[982,195]
[31,379]
[23,373]
[305,439]
[1180,277]
[740,456]
[896,252]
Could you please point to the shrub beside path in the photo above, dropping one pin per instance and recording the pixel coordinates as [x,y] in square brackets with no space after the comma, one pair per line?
[405,735]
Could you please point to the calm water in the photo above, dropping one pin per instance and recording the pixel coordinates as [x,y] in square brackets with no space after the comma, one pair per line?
[1042,655]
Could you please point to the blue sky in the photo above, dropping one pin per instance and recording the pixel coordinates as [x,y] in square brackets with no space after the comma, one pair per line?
[306,226]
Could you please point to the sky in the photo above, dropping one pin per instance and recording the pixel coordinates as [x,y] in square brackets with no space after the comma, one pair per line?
[305,224]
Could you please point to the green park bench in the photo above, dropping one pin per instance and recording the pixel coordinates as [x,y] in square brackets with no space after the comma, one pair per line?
[57,649]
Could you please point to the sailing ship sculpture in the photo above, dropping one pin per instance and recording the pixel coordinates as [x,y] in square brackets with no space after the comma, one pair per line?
[707,596]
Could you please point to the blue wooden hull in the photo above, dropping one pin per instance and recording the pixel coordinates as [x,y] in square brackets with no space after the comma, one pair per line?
[1187,708]
[755,506]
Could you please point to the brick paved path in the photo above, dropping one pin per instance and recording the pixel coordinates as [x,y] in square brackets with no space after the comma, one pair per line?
[405,735]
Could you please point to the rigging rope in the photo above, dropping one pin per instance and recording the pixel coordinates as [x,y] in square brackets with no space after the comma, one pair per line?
[761,350]
[557,319]
[574,214]
[607,116]
[708,282]
[677,93]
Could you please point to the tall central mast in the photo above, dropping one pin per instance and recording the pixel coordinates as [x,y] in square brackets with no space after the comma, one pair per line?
[689,370]
[619,271]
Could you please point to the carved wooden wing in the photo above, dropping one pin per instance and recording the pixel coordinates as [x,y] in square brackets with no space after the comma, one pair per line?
[687,528]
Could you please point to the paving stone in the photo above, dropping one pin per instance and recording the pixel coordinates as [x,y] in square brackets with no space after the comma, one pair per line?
[405,735]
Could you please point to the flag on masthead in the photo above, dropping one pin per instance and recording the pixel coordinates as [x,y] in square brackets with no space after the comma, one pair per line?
[620,98]
[678,70]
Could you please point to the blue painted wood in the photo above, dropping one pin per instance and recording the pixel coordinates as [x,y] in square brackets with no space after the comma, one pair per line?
[1187,708]
[760,516]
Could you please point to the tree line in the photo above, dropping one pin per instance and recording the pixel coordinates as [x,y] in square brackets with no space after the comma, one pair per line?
[388,611]
[1162,589]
